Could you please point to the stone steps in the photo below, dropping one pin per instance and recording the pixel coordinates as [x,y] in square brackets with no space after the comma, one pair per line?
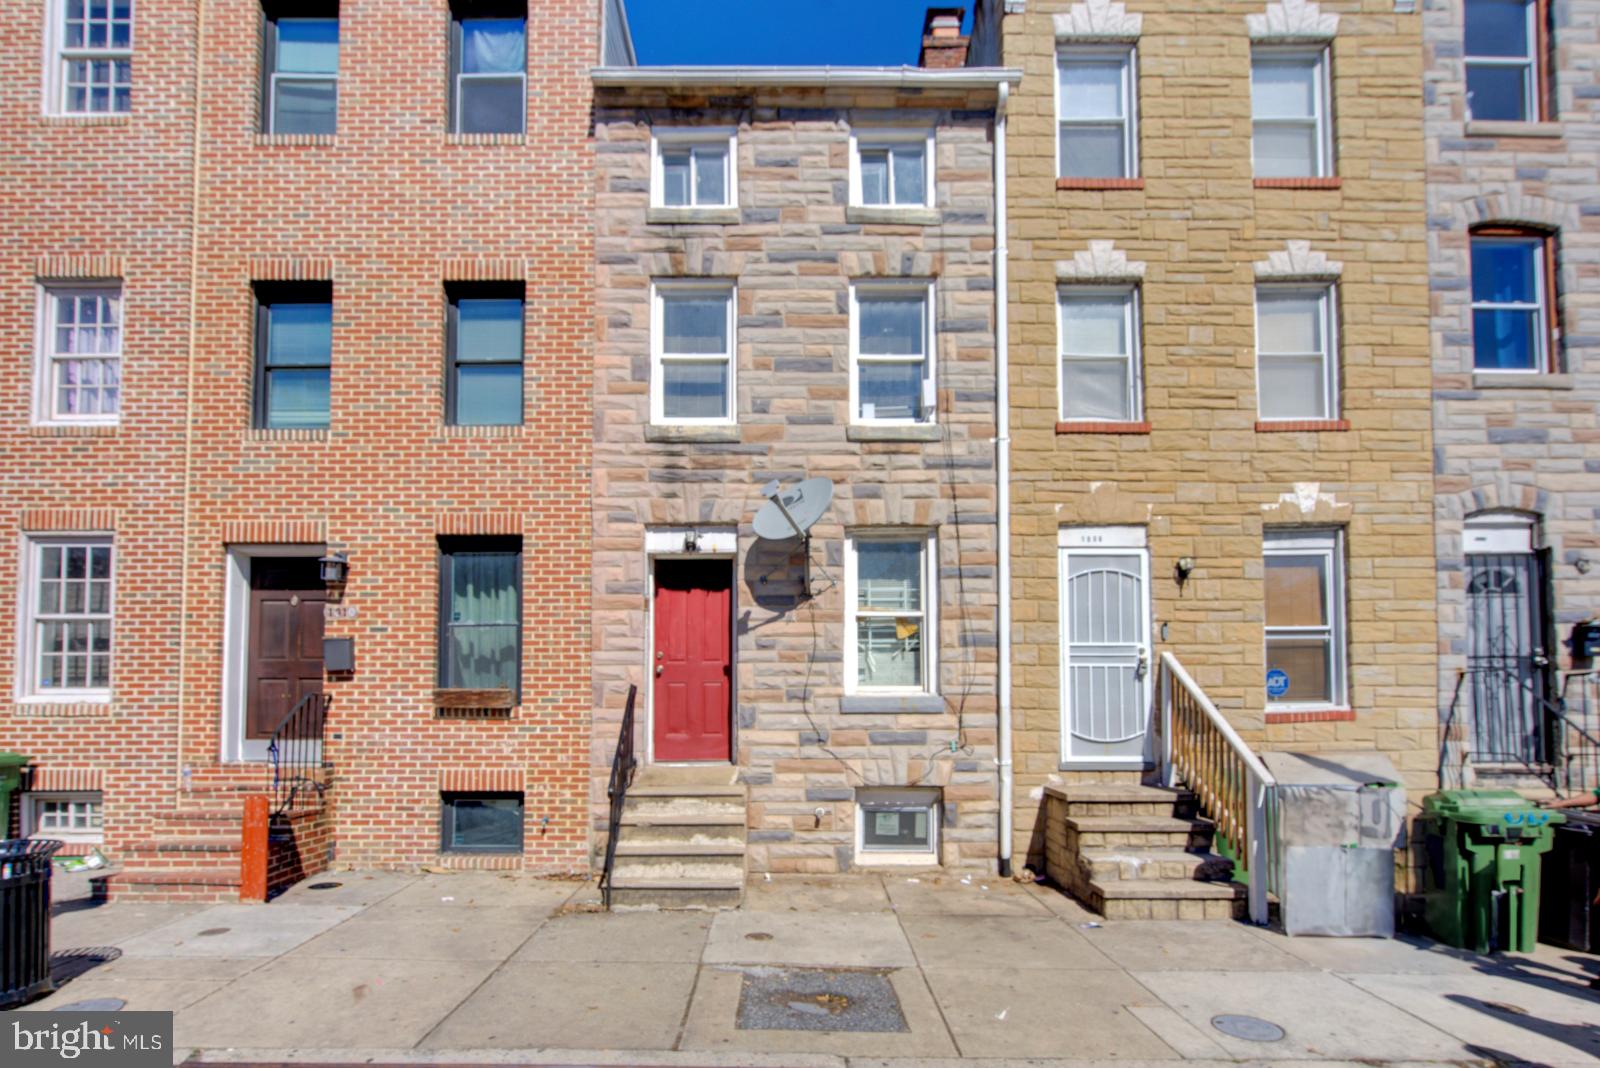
[681,840]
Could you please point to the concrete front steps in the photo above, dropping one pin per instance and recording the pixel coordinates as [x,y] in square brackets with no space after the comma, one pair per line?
[681,843]
[1135,852]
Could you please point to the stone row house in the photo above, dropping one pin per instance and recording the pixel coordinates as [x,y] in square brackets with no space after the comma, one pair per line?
[867,453]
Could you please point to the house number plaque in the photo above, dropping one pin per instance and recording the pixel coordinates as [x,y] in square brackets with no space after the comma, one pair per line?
[338,611]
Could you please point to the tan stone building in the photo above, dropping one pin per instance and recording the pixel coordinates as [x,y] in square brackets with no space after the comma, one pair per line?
[1219,376]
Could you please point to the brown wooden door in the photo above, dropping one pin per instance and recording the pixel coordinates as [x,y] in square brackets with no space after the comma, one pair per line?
[286,601]
[692,660]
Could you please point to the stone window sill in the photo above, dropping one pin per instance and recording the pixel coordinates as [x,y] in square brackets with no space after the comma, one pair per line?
[692,216]
[709,435]
[1099,183]
[1080,426]
[891,704]
[1299,183]
[1291,426]
[857,213]
[1501,128]
[923,432]
[1532,380]
[1312,715]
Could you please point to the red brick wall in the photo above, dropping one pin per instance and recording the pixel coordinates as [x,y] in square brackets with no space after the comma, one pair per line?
[300,846]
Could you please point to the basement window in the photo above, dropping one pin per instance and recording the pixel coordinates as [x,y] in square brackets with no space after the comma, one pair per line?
[74,817]
[481,823]
[897,825]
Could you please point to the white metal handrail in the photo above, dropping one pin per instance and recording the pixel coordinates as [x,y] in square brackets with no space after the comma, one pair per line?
[1201,749]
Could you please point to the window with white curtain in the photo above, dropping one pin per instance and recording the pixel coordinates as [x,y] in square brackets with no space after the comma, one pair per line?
[1290,113]
[92,63]
[692,352]
[78,370]
[1095,112]
[891,341]
[1296,372]
[890,624]
[1305,628]
[480,613]
[1099,366]
[488,68]
[692,167]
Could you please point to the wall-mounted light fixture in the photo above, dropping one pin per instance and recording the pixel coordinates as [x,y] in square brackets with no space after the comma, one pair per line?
[1183,568]
[691,540]
[335,568]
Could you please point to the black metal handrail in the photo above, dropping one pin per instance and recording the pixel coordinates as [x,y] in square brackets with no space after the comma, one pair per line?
[299,771]
[623,763]
[1567,767]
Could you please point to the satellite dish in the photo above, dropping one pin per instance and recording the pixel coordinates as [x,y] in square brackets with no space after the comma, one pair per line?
[791,513]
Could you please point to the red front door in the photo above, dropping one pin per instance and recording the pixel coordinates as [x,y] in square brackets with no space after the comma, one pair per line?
[693,667]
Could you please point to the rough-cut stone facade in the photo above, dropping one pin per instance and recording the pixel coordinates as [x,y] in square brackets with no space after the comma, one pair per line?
[1202,478]
[793,251]
[1532,444]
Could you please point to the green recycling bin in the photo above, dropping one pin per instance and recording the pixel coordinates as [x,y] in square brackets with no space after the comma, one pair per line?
[11,765]
[1481,884]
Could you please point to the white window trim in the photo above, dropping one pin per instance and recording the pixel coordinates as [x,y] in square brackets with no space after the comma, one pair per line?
[1529,61]
[1322,104]
[1328,292]
[1540,306]
[1328,542]
[904,799]
[27,688]
[58,55]
[44,393]
[658,290]
[1498,534]
[30,816]
[1129,53]
[1131,318]
[930,612]
[930,389]
[888,138]
[694,137]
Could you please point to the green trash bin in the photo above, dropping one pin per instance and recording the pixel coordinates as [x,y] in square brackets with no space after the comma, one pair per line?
[11,765]
[1481,885]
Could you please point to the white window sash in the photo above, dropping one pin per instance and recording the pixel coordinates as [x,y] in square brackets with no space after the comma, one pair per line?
[1539,307]
[1319,119]
[291,76]
[48,361]
[32,634]
[1127,121]
[927,614]
[492,76]
[659,358]
[891,800]
[56,92]
[90,807]
[860,292]
[1528,61]
[1329,546]
[888,141]
[1329,377]
[696,140]
[1130,354]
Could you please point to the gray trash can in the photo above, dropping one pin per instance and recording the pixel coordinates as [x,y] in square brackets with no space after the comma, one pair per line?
[1338,817]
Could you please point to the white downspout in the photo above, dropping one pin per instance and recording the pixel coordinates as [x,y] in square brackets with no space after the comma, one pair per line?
[1002,365]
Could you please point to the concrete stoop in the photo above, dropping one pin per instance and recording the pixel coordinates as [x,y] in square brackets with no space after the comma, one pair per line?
[681,843]
[1135,852]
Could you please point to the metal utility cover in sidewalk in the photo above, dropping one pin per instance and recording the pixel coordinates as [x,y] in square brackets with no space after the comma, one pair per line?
[815,999]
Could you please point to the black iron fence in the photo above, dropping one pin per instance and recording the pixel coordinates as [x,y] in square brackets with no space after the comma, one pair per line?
[300,774]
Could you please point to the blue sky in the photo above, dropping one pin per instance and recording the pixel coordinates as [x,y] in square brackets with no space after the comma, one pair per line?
[842,32]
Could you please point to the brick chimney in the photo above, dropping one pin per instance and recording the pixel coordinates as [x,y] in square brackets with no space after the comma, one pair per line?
[943,47]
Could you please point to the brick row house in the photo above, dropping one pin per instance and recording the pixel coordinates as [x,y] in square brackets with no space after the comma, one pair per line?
[307,376]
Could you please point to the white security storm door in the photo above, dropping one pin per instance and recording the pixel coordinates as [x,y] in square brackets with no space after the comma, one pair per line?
[1105,646]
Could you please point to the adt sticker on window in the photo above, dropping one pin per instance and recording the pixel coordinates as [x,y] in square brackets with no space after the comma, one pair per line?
[1277,683]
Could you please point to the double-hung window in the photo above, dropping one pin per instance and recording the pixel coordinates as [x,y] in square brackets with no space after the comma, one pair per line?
[488,67]
[1095,113]
[79,371]
[67,636]
[93,64]
[1296,368]
[891,168]
[484,352]
[294,354]
[480,614]
[692,168]
[1511,320]
[1100,353]
[1503,43]
[890,623]
[891,364]
[692,348]
[1290,113]
[1305,628]
[300,69]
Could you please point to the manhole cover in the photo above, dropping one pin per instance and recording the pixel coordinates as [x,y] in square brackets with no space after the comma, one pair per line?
[1249,1028]
[808,999]
[324,886]
[93,1005]
[209,931]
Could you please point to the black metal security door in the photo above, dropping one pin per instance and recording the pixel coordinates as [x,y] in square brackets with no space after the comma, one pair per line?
[1506,657]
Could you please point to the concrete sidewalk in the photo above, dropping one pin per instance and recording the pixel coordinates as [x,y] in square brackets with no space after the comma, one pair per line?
[485,968]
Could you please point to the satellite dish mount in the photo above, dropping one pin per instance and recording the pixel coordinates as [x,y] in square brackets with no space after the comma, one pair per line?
[791,513]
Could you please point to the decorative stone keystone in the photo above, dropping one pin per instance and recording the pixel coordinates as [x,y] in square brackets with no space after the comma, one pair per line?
[1292,20]
[1098,20]
[1298,262]
[1102,261]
